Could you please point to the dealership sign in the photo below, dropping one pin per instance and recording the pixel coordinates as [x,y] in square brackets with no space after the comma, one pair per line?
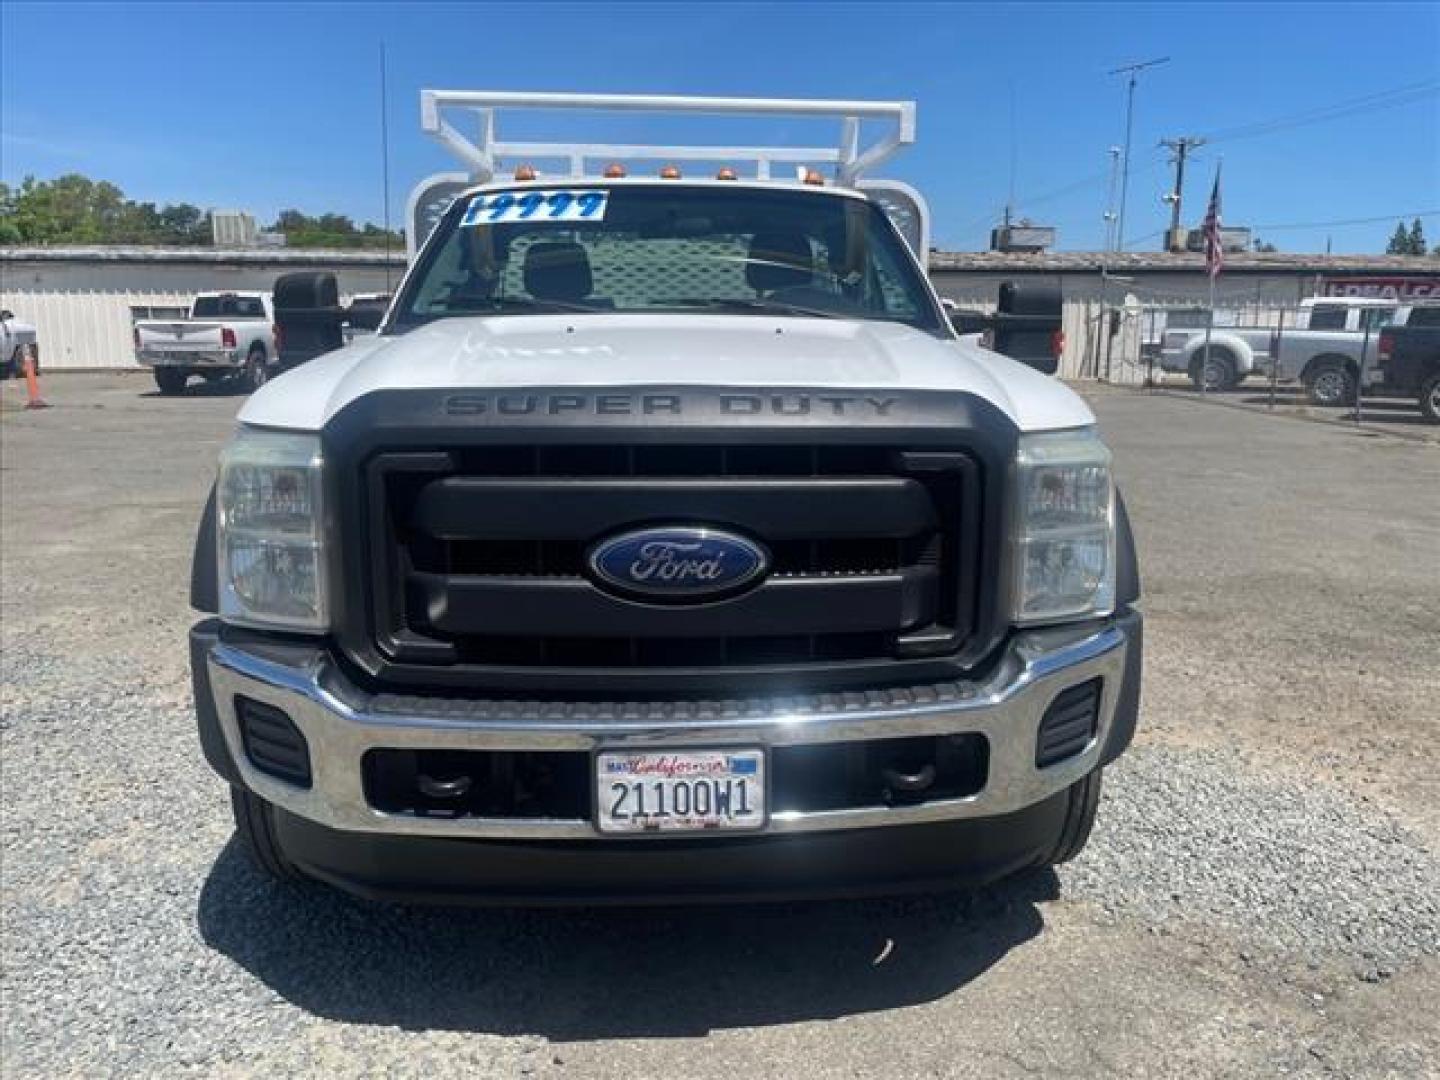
[1408,287]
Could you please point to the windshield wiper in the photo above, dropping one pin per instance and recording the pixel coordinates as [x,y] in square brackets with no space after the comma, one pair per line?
[510,303]
[778,307]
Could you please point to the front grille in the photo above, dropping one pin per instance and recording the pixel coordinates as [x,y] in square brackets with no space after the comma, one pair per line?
[481,554]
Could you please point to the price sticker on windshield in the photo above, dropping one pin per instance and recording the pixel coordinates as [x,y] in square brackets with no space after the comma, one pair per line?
[507,207]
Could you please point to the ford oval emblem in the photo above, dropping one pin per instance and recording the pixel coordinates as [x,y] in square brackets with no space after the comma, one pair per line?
[678,563]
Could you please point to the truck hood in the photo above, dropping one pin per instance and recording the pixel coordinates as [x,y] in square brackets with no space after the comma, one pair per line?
[684,349]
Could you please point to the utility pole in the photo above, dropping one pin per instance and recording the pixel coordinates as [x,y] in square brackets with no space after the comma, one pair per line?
[1132,70]
[1110,199]
[1180,148]
[1102,337]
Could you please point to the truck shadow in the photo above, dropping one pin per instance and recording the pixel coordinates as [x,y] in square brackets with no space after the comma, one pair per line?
[200,388]
[606,973]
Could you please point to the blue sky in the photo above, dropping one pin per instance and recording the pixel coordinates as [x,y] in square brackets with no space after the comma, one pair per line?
[265,106]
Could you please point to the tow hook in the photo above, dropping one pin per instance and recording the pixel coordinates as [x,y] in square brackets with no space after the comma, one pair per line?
[908,783]
[451,788]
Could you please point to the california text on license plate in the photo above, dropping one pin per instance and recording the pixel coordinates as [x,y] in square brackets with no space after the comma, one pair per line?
[679,790]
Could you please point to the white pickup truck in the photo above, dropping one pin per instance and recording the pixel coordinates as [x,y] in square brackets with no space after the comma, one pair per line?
[666,543]
[14,336]
[227,335]
[1322,350]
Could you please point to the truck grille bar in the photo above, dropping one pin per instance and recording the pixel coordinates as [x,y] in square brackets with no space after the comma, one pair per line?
[479,554]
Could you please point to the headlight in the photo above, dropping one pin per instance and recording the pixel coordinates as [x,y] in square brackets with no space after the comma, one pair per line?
[1064,528]
[271,531]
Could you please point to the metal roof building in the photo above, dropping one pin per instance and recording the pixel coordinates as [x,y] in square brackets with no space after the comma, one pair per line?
[83,300]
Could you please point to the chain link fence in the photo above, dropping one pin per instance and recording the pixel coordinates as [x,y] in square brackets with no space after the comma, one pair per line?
[1312,357]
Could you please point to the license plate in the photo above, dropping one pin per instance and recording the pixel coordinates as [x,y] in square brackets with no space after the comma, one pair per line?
[679,790]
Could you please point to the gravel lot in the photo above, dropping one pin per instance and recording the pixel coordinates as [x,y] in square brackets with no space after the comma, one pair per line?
[1261,897]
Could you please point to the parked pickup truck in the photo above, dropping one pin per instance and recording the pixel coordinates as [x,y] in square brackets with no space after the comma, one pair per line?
[14,336]
[665,543]
[227,335]
[1322,350]
[1409,357]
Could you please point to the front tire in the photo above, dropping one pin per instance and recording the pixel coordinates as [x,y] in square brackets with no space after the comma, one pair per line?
[255,829]
[1081,808]
[1214,371]
[1430,398]
[1330,384]
[171,381]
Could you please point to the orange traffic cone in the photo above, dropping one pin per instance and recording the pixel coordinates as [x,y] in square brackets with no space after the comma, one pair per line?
[32,382]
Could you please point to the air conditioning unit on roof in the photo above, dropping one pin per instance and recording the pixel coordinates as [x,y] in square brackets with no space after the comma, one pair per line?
[1033,238]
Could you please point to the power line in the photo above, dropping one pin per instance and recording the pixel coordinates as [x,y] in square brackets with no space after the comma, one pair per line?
[1347,221]
[1147,236]
[1313,224]
[1380,99]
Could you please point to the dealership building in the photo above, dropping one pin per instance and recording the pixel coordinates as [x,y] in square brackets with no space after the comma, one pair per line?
[83,300]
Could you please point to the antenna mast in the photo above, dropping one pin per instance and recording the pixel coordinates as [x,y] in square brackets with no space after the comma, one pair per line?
[1132,70]
[385,165]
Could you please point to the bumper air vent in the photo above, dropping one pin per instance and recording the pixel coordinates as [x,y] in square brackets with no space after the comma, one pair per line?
[1069,724]
[273,743]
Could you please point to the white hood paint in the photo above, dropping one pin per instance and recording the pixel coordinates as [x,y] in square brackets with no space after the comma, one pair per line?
[682,349]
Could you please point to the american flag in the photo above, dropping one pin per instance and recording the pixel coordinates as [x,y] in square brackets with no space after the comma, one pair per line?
[1214,250]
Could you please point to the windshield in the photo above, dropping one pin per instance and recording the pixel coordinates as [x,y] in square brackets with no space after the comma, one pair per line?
[645,248]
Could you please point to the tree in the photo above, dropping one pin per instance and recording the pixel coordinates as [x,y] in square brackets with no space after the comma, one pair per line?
[1399,241]
[9,230]
[331,230]
[1417,238]
[184,224]
[74,209]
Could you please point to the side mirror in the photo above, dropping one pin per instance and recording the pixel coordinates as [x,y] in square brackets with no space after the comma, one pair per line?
[6,315]
[308,312]
[1029,325]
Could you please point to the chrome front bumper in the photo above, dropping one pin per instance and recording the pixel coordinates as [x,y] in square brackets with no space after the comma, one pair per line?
[341,725]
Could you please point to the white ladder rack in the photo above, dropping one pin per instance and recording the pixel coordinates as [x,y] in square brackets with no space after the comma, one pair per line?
[480,153]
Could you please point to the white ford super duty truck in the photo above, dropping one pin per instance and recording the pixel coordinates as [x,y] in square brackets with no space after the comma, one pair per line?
[228,335]
[666,542]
